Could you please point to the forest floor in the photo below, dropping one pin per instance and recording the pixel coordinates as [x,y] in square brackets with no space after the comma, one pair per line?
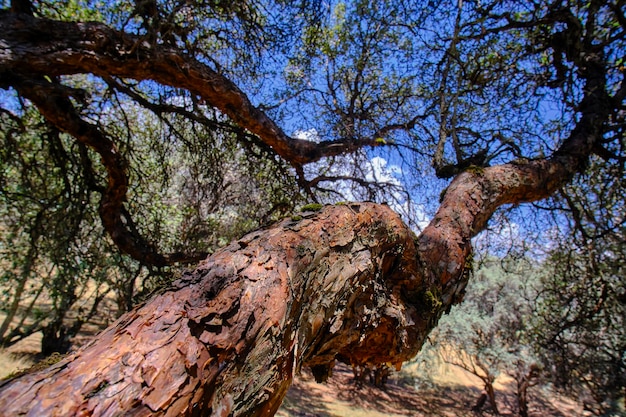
[448,391]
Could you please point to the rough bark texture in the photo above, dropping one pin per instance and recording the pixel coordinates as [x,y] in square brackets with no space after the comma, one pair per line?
[229,337]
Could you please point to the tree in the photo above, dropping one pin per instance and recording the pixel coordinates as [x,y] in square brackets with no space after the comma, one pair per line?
[43,217]
[490,334]
[579,317]
[509,101]
[582,341]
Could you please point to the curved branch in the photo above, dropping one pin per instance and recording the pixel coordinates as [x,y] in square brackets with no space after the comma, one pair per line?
[48,47]
[52,101]
[474,195]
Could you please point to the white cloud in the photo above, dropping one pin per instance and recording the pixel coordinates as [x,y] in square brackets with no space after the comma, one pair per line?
[383,172]
[310,135]
[375,170]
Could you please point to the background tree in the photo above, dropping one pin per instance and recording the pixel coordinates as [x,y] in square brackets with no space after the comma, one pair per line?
[50,234]
[510,101]
[581,339]
[488,334]
[578,321]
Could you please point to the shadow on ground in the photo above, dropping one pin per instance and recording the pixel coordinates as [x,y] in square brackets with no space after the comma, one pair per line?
[342,397]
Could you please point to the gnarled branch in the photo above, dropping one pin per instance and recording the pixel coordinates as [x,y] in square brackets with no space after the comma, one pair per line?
[29,45]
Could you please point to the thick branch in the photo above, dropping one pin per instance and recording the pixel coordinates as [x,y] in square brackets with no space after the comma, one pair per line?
[30,45]
[473,196]
[229,338]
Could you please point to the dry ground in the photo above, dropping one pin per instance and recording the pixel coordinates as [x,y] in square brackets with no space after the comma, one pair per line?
[451,392]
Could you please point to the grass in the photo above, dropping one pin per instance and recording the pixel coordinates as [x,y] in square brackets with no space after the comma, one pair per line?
[12,363]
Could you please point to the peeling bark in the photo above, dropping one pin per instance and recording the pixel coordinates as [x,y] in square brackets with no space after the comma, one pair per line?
[229,337]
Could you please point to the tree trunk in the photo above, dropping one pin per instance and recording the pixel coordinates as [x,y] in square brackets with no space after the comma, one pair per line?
[25,274]
[522,396]
[524,378]
[228,338]
[480,402]
[491,393]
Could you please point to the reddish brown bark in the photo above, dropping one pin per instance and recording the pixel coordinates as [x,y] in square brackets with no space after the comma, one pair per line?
[229,338]
[29,45]
[524,380]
